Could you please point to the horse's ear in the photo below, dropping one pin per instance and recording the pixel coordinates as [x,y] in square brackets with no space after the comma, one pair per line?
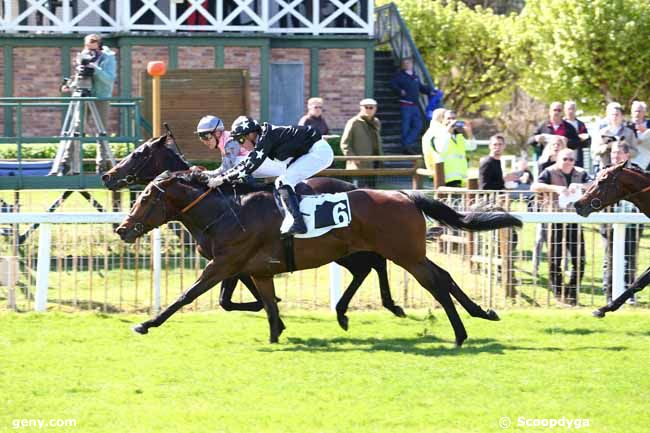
[160,141]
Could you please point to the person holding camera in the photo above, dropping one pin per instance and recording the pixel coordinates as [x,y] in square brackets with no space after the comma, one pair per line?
[447,140]
[96,71]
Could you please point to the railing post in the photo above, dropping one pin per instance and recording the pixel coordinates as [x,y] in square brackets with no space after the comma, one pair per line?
[157,268]
[618,261]
[336,281]
[43,267]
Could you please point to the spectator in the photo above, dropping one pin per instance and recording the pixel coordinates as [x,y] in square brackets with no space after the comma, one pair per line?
[564,179]
[490,172]
[641,127]
[522,178]
[555,125]
[435,102]
[314,116]
[555,143]
[614,128]
[361,136]
[409,86]
[620,152]
[445,142]
[580,127]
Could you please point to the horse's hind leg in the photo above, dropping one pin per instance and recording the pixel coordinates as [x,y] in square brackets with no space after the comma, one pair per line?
[267,292]
[470,306]
[360,264]
[638,285]
[358,275]
[425,272]
[228,287]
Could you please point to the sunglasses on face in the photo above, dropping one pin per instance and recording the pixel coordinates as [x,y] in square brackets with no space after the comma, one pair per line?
[369,107]
[317,106]
[205,135]
[568,159]
[558,110]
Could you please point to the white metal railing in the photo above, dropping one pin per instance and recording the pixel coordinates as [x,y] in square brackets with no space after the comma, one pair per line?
[618,220]
[265,16]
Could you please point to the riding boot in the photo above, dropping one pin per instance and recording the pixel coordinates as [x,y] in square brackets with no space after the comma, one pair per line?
[290,200]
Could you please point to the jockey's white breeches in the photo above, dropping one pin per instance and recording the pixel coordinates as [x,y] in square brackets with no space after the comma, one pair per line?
[319,157]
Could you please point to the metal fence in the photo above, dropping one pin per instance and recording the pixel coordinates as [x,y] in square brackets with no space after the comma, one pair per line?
[75,261]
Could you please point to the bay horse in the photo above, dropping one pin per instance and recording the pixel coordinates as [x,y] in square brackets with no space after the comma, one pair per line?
[160,154]
[244,238]
[613,184]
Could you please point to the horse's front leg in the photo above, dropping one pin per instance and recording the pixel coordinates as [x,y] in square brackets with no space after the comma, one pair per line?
[210,276]
[638,285]
[266,290]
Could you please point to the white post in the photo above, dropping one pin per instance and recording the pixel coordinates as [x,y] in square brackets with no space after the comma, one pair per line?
[157,266]
[618,261]
[43,267]
[336,281]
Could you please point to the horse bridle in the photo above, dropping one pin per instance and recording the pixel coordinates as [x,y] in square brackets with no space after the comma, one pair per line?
[139,227]
[611,184]
[130,179]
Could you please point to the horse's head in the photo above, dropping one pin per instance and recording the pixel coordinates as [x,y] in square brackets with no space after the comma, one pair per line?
[604,191]
[145,163]
[153,207]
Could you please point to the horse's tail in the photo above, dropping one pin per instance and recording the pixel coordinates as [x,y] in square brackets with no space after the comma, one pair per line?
[473,221]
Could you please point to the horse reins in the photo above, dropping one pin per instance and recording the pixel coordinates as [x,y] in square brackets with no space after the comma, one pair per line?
[202,196]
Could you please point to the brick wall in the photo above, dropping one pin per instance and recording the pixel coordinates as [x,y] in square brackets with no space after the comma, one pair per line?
[247,58]
[341,83]
[195,57]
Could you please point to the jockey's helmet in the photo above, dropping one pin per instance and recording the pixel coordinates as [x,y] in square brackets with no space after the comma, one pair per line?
[208,124]
[244,125]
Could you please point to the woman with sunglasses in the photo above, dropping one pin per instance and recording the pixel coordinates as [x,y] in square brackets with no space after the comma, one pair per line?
[299,151]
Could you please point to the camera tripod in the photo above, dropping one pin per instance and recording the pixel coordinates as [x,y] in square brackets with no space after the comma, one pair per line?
[68,157]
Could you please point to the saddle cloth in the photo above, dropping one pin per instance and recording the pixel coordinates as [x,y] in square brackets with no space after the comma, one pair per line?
[321,213]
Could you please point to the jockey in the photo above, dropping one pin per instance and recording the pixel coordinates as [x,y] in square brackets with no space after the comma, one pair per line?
[299,150]
[211,132]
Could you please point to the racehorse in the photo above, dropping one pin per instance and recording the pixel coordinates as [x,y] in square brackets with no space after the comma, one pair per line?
[161,154]
[613,184]
[244,238]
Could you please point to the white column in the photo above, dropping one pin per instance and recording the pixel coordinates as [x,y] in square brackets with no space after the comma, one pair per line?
[157,268]
[43,267]
[336,281]
[618,261]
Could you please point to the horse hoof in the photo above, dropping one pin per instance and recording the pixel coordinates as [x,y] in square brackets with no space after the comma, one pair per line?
[140,329]
[343,321]
[459,343]
[273,340]
[597,313]
[492,315]
[398,311]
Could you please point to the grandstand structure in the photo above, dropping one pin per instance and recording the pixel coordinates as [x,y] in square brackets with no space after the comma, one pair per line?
[291,50]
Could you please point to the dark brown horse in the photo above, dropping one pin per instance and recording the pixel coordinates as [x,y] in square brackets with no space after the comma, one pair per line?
[162,154]
[244,238]
[613,184]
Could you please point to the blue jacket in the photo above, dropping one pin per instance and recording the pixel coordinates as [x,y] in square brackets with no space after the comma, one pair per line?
[411,85]
[105,74]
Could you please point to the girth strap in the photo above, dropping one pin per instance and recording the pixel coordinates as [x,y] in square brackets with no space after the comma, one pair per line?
[289,257]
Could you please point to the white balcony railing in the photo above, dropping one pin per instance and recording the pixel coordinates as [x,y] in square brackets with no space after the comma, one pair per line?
[260,16]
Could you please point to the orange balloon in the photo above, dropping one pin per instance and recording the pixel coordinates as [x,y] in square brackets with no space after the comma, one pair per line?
[156,68]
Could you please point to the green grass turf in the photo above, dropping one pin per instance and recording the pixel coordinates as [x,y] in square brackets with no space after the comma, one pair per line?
[215,372]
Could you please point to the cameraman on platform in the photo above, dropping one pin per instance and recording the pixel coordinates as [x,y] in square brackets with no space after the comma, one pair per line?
[447,141]
[96,69]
